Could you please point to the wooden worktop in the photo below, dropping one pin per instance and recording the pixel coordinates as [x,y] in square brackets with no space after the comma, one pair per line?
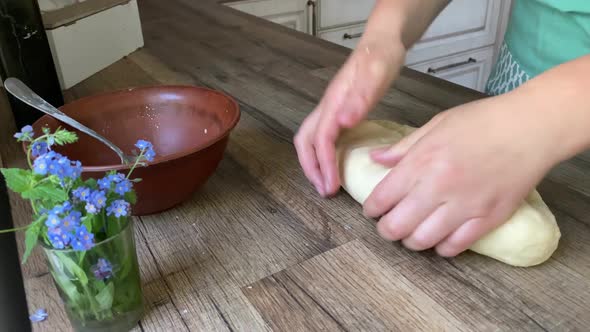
[257,250]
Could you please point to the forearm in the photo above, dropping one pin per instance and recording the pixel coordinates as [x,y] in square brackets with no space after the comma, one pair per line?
[393,27]
[555,105]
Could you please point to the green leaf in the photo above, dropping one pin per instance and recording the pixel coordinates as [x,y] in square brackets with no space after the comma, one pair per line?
[67,286]
[73,267]
[131,197]
[46,191]
[114,225]
[65,137]
[54,179]
[91,183]
[105,297]
[88,221]
[17,179]
[31,240]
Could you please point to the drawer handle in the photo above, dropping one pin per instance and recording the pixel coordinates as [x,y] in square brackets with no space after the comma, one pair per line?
[349,36]
[452,65]
[314,17]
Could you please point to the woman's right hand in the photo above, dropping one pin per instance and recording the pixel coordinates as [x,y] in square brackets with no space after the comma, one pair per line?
[353,92]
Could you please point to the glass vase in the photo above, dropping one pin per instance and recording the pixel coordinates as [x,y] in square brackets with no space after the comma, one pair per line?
[100,287]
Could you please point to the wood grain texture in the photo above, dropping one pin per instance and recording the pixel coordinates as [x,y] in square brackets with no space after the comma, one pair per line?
[347,289]
[256,249]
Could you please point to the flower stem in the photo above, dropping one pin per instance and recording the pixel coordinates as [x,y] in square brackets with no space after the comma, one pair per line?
[17,229]
[30,149]
[86,290]
[135,164]
[29,157]
[91,300]
[35,211]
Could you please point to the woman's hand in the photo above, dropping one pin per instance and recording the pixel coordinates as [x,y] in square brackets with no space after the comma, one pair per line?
[353,92]
[392,28]
[461,175]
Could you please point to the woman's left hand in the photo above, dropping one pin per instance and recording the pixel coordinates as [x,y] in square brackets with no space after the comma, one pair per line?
[461,175]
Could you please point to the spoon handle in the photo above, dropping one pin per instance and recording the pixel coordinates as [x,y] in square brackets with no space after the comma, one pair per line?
[18,89]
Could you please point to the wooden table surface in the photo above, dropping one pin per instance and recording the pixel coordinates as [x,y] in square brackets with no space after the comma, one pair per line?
[257,250]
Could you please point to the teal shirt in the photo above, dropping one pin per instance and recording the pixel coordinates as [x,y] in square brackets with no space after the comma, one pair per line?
[541,34]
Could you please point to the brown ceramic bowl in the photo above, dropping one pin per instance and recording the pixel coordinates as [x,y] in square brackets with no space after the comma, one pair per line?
[188,126]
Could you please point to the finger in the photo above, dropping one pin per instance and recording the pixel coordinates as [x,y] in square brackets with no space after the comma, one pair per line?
[390,191]
[434,229]
[325,148]
[332,104]
[400,222]
[391,156]
[384,157]
[310,167]
[465,236]
[307,154]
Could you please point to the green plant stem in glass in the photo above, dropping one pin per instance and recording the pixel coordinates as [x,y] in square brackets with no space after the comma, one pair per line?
[100,287]
[85,230]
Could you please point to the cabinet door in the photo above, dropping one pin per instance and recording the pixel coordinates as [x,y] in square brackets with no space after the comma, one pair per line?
[336,13]
[290,13]
[463,25]
[470,69]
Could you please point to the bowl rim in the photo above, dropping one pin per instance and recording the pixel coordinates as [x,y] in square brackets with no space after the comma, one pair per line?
[157,160]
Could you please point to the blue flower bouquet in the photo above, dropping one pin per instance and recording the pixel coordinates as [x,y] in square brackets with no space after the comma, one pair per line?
[85,230]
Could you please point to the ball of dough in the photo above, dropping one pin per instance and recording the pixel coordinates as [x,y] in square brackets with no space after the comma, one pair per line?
[528,238]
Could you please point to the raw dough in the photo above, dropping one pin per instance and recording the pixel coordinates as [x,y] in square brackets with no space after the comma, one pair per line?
[528,238]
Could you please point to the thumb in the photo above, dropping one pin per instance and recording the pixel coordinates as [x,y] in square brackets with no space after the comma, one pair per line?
[392,155]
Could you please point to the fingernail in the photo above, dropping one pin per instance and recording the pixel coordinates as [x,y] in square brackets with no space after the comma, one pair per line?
[379,152]
[326,186]
[320,190]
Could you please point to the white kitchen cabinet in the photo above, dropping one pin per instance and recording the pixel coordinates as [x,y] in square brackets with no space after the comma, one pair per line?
[290,13]
[459,46]
[463,25]
[470,69]
[87,36]
[335,13]
[346,36]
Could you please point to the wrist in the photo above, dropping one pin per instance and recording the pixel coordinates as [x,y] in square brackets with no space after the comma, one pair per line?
[382,55]
[541,123]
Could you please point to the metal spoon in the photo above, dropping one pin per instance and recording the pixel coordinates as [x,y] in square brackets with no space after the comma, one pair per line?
[18,89]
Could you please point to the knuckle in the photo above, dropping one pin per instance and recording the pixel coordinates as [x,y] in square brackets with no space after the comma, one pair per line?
[480,207]
[450,248]
[377,199]
[419,241]
[439,116]
[299,139]
[297,142]
[363,100]
[447,175]
[389,230]
[318,141]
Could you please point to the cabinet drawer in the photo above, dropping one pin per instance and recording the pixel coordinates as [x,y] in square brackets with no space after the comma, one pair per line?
[333,13]
[263,8]
[469,69]
[292,14]
[463,25]
[347,36]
